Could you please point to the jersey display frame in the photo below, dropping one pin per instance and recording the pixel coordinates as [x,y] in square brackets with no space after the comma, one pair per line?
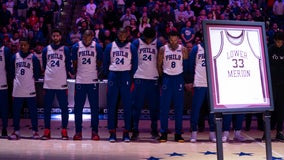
[237,64]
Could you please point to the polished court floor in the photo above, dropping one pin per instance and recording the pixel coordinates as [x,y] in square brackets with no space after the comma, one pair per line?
[145,148]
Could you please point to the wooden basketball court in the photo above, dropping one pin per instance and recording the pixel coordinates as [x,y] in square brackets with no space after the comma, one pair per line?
[145,148]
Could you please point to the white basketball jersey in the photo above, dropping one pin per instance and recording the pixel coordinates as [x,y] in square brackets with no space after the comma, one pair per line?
[200,76]
[238,67]
[24,84]
[55,72]
[173,61]
[147,60]
[3,77]
[86,64]
[120,58]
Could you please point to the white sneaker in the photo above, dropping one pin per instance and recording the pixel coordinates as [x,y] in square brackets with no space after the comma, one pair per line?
[238,136]
[35,135]
[193,137]
[212,137]
[225,137]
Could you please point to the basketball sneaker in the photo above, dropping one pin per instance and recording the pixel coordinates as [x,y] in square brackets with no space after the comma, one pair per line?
[46,134]
[64,134]
[178,138]
[77,136]
[14,136]
[95,136]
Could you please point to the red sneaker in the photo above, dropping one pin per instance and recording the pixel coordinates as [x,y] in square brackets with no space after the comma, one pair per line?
[46,134]
[64,134]
[14,136]
[78,136]
[95,136]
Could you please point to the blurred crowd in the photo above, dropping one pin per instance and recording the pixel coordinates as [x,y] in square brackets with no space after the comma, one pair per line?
[34,19]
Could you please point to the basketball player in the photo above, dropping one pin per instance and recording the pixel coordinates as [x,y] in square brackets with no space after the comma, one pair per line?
[57,64]
[120,59]
[170,68]
[87,57]
[276,54]
[198,82]
[4,71]
[25,69]
[146,80]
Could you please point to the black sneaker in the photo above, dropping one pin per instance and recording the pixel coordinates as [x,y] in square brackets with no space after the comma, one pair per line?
[112,137]
[155,135]
[135,135]
[279,136]
[4,132]
[178,138]
[126,137]
[164,137]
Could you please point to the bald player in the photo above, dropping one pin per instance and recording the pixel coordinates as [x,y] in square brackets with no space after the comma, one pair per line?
[86,57]
[120,59]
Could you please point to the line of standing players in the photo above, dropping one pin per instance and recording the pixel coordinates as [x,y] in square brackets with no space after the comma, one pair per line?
[156,70]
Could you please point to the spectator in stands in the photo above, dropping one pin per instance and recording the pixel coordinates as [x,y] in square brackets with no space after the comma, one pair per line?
[91,8]
[127,17]
[22,6]
[33,19]
[144,23]
[10,6]
[271,33]
[5,15]
[187,33]
[74,36]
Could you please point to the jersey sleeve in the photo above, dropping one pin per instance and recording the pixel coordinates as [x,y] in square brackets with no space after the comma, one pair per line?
[36,67]
[106,59]
[192,59]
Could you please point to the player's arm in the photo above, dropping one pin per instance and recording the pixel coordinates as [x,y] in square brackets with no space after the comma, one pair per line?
[68,64]
[99,50]
[184,53]
[106,59]
[44,59]
[12,66]
[36,67]
[191,70]
[74,57]
[7,62]
[134,60]
[160,60]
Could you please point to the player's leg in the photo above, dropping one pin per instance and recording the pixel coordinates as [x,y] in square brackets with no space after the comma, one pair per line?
[4,110]
[48,100]
[31,101]
[139,97]
[178,106]
[153,97]
[126,101]
[227,119]
[112,97]
[165,102]
[17,107]
[197,101]
[80,98]
[94,104]
[62,96]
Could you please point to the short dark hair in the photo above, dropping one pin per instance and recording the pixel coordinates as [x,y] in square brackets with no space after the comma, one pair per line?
[174,33]
[279,35]
[24,39]
[56,30]
[149,32]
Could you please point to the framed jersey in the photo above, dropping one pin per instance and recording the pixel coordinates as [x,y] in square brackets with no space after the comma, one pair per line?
[237,66]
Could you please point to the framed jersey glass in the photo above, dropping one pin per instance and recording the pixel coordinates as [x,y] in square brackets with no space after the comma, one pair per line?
[237,66]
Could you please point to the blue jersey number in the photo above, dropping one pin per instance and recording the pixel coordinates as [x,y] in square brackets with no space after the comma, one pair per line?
[22,71]
[173,64]
[86,61]
[238,63]
[54,63]
[119,61]
[146,58]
